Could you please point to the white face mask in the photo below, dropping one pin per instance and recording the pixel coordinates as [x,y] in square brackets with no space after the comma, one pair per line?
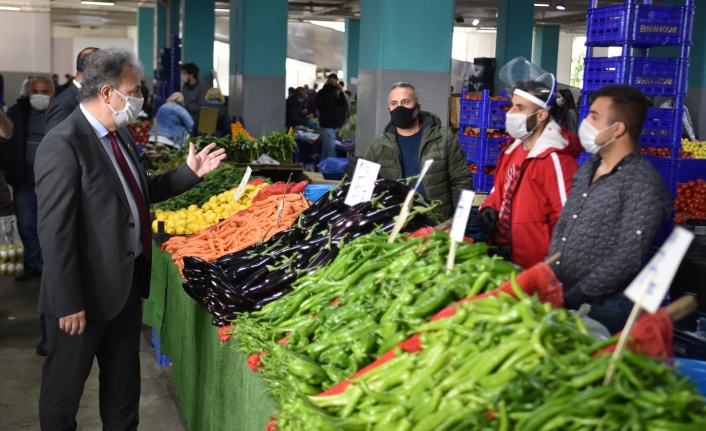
[516,125]
[128,114]
[588,135]
[39,102]
[184,78]
[560,102]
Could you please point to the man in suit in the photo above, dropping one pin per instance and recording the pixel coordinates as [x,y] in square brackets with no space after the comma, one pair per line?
[94,197]
[66,101]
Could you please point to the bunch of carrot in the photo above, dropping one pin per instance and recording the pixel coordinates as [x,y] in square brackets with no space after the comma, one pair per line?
[257,223]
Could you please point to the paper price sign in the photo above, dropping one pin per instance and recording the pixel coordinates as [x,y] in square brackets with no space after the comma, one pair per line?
[425,168]
[463,210]
[243,183]
[654,280]
[361,190]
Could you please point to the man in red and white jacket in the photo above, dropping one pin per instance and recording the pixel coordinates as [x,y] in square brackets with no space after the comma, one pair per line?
[532,180]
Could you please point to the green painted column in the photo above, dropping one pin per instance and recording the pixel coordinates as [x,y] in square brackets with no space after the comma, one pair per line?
[696,100]
[514,37]
[174,19]
[197,36]
[160,25]
[546,47]
[145,40]
[402,40]
[258,54]
[351,49]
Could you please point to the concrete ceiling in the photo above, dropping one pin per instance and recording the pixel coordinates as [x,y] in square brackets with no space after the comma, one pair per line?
[73,13]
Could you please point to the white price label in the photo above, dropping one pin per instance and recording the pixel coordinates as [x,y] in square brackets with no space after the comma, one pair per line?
[463,210]
[243,183]
[654,280]
[425,168]
[361,190]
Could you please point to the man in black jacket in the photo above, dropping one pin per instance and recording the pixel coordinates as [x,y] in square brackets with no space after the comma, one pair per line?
[67,101]
[328,100]
[295,115]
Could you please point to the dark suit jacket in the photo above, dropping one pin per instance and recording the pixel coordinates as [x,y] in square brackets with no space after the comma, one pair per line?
[61,107]
[85,227]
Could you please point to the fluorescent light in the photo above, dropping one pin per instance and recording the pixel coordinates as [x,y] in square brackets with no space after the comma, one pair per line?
[99,3]
[218,9]
[541,4]
[488,28]
[12,8]
[487,31]
[560,5]
[475,21]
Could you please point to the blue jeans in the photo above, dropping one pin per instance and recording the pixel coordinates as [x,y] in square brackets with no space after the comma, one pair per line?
[612,313]
[328,144]
[25,198]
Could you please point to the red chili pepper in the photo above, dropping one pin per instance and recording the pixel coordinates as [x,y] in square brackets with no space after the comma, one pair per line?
[272,424]
[254,362]
[225,333]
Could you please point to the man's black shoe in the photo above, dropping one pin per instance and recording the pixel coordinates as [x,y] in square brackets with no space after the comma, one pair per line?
[42,348]
[29,273]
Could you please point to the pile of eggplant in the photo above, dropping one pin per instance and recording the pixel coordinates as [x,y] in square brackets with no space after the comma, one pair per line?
[250,278]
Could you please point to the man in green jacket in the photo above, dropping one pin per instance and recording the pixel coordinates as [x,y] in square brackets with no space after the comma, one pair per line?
[414,136]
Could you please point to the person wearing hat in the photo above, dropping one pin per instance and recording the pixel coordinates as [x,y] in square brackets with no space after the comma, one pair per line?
[173,120]
[532,179]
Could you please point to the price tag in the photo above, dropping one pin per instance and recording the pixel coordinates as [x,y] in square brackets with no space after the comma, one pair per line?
[361,190]
[243,183]
[425,168]
[463,210]
[654,280]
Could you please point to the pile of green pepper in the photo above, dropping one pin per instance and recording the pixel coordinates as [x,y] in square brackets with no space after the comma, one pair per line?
[383,293]
[505,364]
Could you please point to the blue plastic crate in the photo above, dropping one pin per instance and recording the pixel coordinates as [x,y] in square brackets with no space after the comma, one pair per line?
[601,71]
[583,158]
[483,182]
[641,25]
[662,128]
[161,359]
[473,230]
[495,113]
[481,149]
[666,77]
[664,166]
[471,111]
[483,112]
[694,370]
[472,147]
[493,148]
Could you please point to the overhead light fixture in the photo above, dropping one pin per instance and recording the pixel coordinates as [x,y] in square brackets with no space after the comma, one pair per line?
[560,5]
[220,9]
[98,3]
[541,3]
[10,8]
[487,30]
[476,21]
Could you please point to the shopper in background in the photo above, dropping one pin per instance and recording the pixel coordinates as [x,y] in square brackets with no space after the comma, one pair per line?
[688,127]
[532,180]
[65,103]
[215,98]
[94,197]
[28,117]
[328,101]
[173,120]
[294,114]
[194,92]
[6,128]
[564,111]
[618,202]
[309,104]
[24,88]
[414,136]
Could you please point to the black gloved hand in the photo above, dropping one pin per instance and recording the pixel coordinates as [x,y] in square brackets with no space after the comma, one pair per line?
[487,221]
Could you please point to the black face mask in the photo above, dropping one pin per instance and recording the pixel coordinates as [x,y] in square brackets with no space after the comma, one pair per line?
[403,117]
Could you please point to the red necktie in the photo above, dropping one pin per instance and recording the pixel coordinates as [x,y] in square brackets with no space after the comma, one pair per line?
[137,196]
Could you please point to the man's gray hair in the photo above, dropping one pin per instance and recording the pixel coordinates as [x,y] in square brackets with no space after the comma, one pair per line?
[105,67]
[41,78]
[409,86]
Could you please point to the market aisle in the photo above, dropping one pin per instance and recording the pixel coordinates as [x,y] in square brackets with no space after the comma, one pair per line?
[20,371]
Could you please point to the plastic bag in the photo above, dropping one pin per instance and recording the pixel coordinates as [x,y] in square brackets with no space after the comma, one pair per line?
[333,164]
[11,248]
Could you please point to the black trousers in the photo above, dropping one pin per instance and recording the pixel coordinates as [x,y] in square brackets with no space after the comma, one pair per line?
[116,344]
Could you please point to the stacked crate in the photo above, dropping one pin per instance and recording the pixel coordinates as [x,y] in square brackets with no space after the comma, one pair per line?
[168,72]
[637,28]
[482,135]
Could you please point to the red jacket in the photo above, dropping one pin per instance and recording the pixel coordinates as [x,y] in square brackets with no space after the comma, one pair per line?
[542,189]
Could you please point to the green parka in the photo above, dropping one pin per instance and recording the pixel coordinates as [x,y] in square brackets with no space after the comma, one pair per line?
[447,176]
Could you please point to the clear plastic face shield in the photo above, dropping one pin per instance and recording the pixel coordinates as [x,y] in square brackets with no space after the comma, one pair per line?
[521,69]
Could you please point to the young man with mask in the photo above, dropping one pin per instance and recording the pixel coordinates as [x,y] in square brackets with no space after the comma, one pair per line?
[618,202]
[28,117]
[414,136]
[94,196]
[532,179]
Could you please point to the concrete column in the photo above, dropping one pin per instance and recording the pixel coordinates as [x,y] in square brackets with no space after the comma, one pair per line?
[514,37]
[546,47]
[145,41]
[413,46]
[351,53]
[160,25]
[258,53]
[197,36]
[696,100]
[175,19]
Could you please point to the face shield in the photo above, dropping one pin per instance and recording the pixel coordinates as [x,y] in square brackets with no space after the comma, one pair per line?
[521,69]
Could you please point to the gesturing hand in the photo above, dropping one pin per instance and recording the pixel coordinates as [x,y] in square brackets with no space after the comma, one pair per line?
[204,161]
[74,323]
